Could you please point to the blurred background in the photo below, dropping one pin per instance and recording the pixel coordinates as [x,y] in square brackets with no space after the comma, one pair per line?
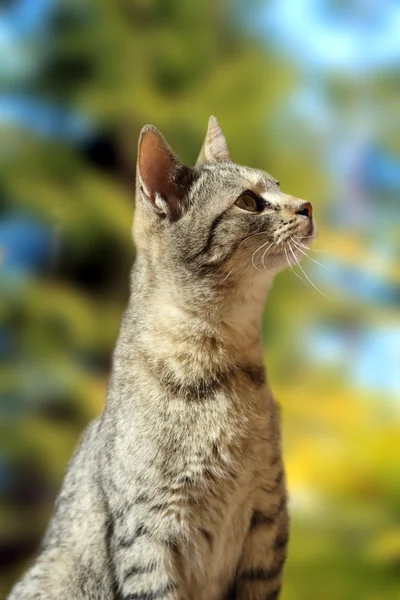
[305,89]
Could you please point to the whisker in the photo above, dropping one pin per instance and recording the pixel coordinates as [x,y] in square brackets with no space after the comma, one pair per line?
[255,252]
[226,277]
[284,232]
[294,238]
[244,240]
[250,236]
[333,241]
[305,254]
[305,274]
[291,266]
[263,256]
[298,239]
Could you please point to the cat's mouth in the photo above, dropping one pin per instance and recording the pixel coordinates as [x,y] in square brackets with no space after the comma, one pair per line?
[293,244]
[312,231]
[310,235]
[289,243]
[302,235]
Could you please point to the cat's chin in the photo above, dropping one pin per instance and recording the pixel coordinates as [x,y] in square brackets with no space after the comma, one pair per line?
[278,263]
[310,235]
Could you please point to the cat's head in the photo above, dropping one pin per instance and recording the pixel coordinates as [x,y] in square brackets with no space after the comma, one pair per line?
[217,221]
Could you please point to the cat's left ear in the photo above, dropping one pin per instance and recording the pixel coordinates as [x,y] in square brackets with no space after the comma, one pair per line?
[215,148]
[162,180]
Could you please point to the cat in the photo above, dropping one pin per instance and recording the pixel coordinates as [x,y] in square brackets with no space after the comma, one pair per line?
[177,491]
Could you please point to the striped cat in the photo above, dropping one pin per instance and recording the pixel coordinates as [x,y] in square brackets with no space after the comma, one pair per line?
[177,491]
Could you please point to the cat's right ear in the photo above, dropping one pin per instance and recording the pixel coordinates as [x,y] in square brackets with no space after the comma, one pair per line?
[162,180]
[215,148]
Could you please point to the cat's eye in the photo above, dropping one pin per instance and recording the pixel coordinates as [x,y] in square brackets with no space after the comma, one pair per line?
[250,202]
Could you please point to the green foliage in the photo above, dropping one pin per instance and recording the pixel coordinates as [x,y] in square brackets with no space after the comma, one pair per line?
[173,63]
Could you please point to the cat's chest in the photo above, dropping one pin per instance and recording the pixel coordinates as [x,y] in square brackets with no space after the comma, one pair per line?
[208,453]
[214,508]
[192,448]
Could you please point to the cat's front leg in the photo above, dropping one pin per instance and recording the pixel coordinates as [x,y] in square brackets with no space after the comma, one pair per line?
[259,575]
[58,575]
[147,566]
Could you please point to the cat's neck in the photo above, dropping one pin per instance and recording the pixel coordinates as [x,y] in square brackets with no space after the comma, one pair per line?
[165,310]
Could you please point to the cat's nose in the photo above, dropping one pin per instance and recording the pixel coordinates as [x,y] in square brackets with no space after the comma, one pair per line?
[305,210]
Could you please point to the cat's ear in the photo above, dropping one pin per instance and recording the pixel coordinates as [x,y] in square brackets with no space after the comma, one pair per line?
[215,148]
[162,180]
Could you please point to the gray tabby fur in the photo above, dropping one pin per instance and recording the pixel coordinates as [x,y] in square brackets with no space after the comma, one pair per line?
[177,491]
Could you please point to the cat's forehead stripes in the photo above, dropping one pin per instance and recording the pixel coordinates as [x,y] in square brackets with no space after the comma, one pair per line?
[236,175]
[266,189]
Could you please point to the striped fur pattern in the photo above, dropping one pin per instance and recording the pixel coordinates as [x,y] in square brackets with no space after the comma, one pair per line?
[177,491]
